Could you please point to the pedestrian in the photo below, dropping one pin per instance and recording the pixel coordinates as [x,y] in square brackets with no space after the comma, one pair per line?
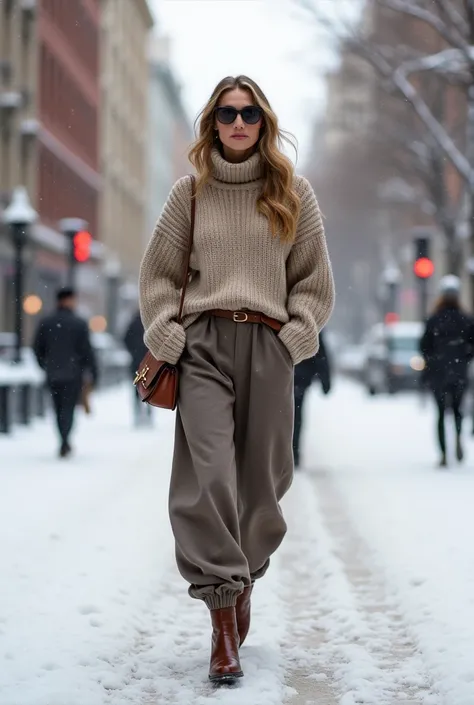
[261,289]
[447,346]
[306,372]
[134,343]
[63,349]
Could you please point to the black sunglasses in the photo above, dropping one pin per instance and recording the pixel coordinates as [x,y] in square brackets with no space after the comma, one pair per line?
[227,114]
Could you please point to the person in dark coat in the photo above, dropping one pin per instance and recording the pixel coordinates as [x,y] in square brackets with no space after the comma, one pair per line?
[316,367]
[63,349]
[447,346]
[133,341]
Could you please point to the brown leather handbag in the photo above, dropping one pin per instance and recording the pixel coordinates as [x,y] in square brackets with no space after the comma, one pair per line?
[156,382]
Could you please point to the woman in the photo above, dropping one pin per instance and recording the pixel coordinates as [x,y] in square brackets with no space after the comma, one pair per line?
[447,346]
[261,290]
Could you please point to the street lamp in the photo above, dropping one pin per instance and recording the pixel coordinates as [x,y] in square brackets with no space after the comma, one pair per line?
[19,216]
[113,271]
[391,277]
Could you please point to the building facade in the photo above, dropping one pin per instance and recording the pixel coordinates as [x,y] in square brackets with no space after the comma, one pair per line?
[170,132]
[18,126]
[124,129]
[69,98]
[123,137]
[69,180]
[49,139]
[93,130]
[342,168]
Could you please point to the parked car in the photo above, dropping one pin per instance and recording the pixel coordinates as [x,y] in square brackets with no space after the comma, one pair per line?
[393,361]
[350,361]
[113,361]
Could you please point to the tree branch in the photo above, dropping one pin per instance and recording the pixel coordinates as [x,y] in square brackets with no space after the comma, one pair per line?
[398,78]
[440,135]
[449,62]
[409,92]
[407,7]
[454,17]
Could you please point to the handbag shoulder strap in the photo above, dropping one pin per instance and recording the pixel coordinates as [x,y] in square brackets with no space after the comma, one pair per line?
[190,247]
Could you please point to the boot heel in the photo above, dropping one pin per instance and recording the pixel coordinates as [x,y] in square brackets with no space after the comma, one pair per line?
[226,678]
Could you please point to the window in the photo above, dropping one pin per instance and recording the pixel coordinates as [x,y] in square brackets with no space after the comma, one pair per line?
[405,344]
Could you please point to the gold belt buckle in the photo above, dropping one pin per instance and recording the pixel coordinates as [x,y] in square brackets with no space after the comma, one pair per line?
[237,318]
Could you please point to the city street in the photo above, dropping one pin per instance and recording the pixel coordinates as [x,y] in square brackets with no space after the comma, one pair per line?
[158,190]
[370,600]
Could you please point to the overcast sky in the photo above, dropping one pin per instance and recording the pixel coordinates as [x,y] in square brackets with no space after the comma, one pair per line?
[261,38]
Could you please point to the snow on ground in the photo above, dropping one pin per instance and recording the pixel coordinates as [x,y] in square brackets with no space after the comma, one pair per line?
[84,543]
[368,601]
[92,610]
[416,520]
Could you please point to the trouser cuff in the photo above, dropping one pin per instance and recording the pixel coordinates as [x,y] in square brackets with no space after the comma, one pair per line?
[218,602]
[217,597]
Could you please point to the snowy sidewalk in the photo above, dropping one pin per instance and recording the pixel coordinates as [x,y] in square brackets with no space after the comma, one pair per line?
[93,612]
[408,522]
[82,551]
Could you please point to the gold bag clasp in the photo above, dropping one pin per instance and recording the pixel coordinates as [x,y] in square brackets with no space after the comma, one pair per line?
[141,375]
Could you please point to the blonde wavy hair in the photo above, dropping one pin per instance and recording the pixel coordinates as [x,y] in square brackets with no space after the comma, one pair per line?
[278,201]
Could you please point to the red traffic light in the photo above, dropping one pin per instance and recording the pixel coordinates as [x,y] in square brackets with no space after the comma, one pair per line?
[423,268]
[391,317]
[82,246]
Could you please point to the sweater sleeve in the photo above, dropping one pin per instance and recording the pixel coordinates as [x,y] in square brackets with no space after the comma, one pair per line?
[161,276]
[309,279]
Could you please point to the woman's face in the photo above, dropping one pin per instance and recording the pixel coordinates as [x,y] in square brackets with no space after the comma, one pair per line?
[239,137]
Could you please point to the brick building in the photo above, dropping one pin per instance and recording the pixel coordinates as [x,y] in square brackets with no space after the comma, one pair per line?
[49,85]
[68,158]
[69,182]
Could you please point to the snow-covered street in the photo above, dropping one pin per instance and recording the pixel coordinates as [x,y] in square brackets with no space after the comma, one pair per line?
[370,600]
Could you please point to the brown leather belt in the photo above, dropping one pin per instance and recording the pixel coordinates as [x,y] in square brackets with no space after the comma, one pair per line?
[248,317]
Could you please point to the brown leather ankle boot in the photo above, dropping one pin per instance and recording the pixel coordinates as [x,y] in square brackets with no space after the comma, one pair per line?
[242,611]
[225,663]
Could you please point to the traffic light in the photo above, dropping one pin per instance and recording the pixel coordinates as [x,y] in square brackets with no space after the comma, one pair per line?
[82,246]
[423,266]
[79,244]
[391,317]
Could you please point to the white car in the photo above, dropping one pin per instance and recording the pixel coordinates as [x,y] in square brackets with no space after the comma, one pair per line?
[393,361]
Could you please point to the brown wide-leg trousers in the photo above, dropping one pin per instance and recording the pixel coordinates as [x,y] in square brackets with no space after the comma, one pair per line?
[233,458]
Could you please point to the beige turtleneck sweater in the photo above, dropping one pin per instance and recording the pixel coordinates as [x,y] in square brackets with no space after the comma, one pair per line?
[236,262]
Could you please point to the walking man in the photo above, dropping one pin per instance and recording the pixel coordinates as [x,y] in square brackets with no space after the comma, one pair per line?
[305,373]
[63,349]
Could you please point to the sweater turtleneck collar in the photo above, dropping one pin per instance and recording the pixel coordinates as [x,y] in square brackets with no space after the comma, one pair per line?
[242,173]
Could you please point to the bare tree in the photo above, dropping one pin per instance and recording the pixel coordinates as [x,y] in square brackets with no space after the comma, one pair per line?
[398,66]
[420,163]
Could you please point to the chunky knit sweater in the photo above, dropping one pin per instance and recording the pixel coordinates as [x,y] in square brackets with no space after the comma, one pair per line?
[236,263]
